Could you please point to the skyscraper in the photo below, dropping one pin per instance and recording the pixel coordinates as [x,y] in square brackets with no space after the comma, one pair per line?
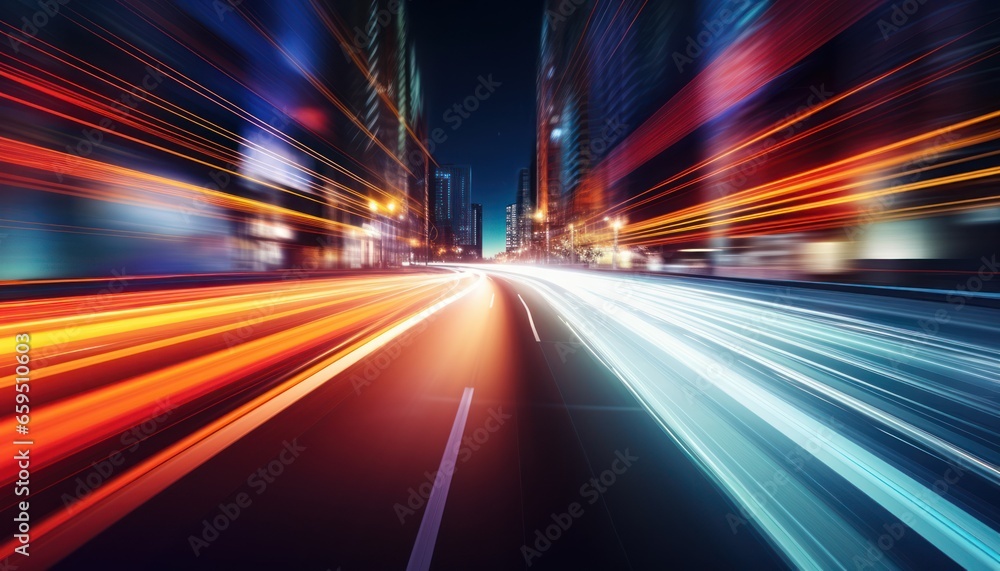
[513,228]
[377,65]
[477,229]
[563,135]
[462,203]
[598,79]
[442,201]
[453,204]
[523,187]
[525,207]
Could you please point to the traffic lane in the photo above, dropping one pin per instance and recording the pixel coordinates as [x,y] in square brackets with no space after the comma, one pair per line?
[56,484]
[368,436]
[130,334]
[120,280]
[817,515]
[481,525]
[345,526]
[519,447]
[354,520]
[652,498]
[65,482]
[550,466]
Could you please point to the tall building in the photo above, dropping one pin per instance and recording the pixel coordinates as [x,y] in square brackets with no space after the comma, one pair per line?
[462,203]
[523,188]
[443,206]
[453,204]
[598,79]
[376,64]
[513,228]
[525,207]
[563,113]
[477,229]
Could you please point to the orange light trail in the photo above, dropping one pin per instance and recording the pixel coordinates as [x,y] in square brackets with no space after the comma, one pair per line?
[119,184]
[858,168]
[323,90]
[94,385]
[149,124]
[161,26]
[356,201]
[637,200]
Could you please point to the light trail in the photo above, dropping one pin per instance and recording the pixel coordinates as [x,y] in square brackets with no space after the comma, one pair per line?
[108,360]
[328,20]
[232,107]
[377,311]
[784,196]
[790,31]
[745,376]
[668,187]
[868,174]
[122,185]
[76,94]
[149,124]
[327,93]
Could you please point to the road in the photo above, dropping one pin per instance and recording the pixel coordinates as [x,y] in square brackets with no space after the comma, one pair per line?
[642,423]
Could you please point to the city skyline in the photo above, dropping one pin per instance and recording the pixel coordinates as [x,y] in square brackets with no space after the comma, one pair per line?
[547,285]
[462,42]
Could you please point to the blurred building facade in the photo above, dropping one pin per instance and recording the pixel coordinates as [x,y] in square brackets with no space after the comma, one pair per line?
[387,97]
[662,119]
[309,115]
[601,73]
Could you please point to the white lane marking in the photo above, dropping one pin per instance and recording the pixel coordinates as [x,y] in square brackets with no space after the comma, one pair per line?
[492,298]
[530,320]
[423,547]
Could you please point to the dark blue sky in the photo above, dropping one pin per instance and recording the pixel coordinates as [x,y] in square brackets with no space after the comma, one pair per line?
[457,42]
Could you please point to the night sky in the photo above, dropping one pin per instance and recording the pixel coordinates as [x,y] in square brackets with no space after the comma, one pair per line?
[457,42]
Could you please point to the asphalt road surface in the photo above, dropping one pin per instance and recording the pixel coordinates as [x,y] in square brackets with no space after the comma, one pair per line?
[552,444]
[517,418]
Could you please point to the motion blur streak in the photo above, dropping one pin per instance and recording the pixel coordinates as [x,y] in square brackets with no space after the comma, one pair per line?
[193,351]
[791,31]
[68,529]
[128,186]
[743,376]
[852,174]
